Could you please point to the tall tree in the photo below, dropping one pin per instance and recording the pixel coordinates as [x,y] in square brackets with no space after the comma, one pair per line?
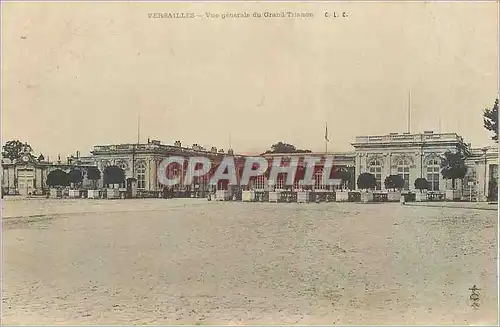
[453,166]
[14,149]
[490,119]
[282,147]
[493,190]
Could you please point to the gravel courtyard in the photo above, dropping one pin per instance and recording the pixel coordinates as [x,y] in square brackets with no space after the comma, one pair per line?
[187,261]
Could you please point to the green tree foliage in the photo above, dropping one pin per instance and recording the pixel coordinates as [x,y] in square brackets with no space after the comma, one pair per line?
[421,184]
[75,176]
[15,149]
[453,166]
[93,174]
[394,182]
[366,181]
[282,147]
[113,175]
[57,178]
[343,174]
[490,119]
[493,190]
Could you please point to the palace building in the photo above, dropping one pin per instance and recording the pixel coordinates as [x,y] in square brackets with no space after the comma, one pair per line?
[409,155]
[28,175]
[141,161]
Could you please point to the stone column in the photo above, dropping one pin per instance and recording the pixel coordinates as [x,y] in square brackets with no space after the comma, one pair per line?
[485,174]
[420,167]
[391,163]
[148,180]
[155,173]
[482,182]
[417,172]
[386,170]
[357,168]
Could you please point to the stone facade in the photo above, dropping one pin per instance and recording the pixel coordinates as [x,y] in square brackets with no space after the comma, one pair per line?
[30,177]
[409,155]
[141,161]
[482,172]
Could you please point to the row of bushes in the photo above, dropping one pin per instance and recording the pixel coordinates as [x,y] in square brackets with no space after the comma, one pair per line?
[111,175]
[367,181]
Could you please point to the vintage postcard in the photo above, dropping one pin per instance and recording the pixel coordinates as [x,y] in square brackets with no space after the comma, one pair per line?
[250,163]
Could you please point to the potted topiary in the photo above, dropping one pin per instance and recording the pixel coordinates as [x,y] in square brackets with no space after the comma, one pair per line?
[274,195]
[453,167]
[57,180]
[422,185]
[304,194]
[394,184]
[342,194]
[366,182]
[93,174]
[113,177]
[75,177]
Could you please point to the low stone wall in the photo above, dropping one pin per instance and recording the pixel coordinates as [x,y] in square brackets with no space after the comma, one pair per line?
[93,194]
[56,193]
[112,193]
[74,193]
[274,196]
[248,196]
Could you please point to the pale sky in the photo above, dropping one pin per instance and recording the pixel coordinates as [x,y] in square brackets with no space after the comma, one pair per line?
[75,75]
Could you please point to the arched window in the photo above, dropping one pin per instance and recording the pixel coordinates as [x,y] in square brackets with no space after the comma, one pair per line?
[122,165]
[318,180]
[375,168]
[141,176]
[403,167]
[433,169]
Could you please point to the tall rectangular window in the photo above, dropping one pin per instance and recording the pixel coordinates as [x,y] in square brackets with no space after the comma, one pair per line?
[375,168]
[259,182]
[280,181]
[433,172]
[403,167]
[141,176]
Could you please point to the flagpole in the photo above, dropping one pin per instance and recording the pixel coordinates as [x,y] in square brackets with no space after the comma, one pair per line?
[409,112]
[138,126]
[326,138]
